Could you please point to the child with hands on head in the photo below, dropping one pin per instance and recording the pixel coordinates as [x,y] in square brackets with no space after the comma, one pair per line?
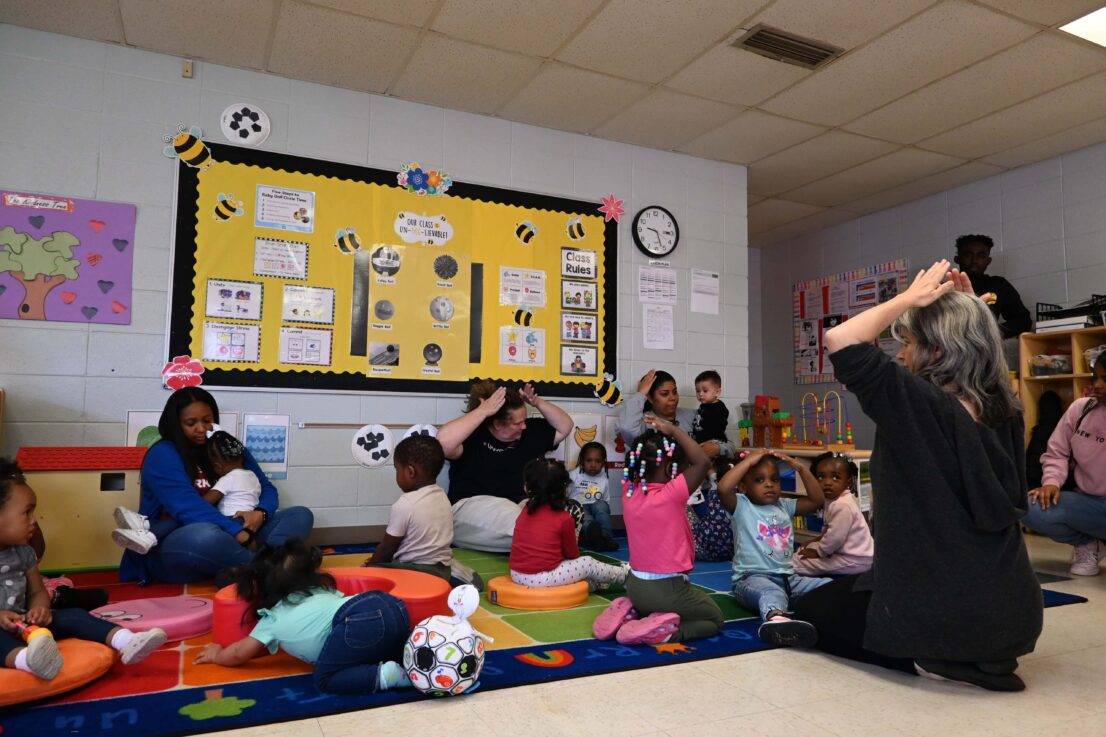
[660,604]
[354,642]
[845,545]
[544,551]
[763,576]
[24,600]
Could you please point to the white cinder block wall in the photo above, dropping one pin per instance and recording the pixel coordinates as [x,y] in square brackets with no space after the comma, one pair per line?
[1048,221]
[86,119]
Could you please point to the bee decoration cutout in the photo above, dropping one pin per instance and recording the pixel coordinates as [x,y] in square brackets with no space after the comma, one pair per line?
[608,391]
[227,207]
[187,146]
[346,241]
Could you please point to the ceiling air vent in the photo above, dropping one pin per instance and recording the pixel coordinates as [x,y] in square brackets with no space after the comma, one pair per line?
[787,47]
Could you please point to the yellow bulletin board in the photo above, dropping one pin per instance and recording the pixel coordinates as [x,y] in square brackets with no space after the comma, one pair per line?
[294,273]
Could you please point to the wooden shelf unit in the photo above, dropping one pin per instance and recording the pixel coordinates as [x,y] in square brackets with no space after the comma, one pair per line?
[1069,386]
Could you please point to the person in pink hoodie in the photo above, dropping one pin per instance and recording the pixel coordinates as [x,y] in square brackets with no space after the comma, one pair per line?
[1078,444]
[846,544]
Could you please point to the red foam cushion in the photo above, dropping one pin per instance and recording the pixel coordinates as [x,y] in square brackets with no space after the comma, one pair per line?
[84,662]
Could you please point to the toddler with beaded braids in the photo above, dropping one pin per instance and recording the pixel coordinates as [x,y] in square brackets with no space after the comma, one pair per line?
[661,604]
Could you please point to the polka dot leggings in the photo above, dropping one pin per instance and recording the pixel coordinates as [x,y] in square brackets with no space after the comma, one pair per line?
[584,568]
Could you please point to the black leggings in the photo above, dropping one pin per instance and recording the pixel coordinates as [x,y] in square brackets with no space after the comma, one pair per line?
[840,616]
[67,623]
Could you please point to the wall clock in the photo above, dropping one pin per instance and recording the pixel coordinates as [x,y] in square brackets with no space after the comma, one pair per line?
[655,231]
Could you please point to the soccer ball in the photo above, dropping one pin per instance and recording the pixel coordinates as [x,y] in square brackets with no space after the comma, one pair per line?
[372,445]
[421,430]
[444,655]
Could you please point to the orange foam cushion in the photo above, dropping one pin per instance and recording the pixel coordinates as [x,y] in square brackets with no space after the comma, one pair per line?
[84,662]
[424,595]
[505,592]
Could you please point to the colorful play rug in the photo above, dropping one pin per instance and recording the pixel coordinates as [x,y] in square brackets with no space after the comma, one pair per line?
[168,695]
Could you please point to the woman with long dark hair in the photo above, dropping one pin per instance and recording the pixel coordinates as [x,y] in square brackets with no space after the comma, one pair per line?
[195,540]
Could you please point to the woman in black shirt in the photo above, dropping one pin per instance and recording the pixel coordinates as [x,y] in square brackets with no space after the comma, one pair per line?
[951,593]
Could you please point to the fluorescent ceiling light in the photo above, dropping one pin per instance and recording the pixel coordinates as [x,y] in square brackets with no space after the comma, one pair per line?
[1091,27]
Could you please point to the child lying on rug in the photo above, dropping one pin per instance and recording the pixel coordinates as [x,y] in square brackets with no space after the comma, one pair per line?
[24,599]
[420,525]
[544,549]
[354,643]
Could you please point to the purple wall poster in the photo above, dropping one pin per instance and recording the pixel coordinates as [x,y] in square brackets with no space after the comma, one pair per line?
[65,259]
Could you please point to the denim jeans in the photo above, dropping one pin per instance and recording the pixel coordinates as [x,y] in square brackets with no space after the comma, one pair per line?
[598,512]
[67,623]
[1076,519]
[200,550]
[369,629]
[768,592]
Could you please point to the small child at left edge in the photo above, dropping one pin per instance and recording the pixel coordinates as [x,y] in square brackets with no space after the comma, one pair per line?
[24,600]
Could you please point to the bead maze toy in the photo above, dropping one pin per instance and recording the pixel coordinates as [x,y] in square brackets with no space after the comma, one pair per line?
[827,416]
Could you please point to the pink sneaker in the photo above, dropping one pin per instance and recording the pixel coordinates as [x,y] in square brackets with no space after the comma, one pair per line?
[651,630]
[620,611]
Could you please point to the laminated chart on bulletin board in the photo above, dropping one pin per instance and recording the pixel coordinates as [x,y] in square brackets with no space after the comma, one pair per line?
[293,273]
[820,304]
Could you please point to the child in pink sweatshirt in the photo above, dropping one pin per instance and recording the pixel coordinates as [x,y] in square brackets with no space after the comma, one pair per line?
[1076,517]
[845,545]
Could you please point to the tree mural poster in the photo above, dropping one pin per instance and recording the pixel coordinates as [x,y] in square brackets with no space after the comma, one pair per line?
[65,259]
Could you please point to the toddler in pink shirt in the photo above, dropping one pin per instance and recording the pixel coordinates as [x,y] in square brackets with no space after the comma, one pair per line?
[846,544]
[661,605]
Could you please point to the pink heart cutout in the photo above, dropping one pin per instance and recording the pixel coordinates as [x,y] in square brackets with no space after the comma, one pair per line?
[97,225]
[68,297]
[117,306]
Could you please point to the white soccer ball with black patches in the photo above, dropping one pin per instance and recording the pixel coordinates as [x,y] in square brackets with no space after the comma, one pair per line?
[245,124]
[430,430]
[443,656]
[372,446]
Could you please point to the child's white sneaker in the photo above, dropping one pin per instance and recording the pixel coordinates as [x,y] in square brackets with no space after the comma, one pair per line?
[140,541]
[1085,558]
[128,519]
[142,644]
[43,658]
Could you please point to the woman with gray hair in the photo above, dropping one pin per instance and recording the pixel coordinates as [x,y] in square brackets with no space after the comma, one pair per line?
[951,594]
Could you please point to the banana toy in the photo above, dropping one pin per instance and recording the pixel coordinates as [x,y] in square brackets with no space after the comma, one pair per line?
[584,435]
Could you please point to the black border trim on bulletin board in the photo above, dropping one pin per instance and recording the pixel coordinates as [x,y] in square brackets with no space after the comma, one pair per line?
[184,257]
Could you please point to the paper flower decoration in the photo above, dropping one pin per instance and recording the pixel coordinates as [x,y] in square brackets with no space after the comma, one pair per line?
[417,180]
[182,371]
[612,209]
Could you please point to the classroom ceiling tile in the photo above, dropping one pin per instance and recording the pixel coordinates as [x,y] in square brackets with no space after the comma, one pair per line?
[811,160]
[407,13]
[787,231]
[464,76]
[764,216]
[665,119]
[571,99]
[1049,146]
[648,41]
[936,43]
[925,186]
[892,170]
[1050,113]
[94,19]
[536,29]
[750,136]
[1046,12]
[735,76]
[1042,63]
[317,44]
[211,29]
[838,22]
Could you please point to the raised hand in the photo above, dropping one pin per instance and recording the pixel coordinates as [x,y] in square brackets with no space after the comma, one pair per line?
[492,404]
[930,285]
[658,424]
[530,395]
[646,382]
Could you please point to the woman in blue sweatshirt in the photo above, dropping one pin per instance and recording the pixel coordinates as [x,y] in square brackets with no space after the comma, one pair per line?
[195,541]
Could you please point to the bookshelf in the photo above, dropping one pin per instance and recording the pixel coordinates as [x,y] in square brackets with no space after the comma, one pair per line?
[1069,386]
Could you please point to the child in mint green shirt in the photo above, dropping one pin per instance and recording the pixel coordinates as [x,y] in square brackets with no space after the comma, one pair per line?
[354,642]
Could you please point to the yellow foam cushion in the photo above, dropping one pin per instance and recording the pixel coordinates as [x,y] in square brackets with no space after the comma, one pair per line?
[84,662]
[506,593]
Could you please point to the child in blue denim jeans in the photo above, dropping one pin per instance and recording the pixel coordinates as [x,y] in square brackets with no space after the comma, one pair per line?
[764,541]
[589,489]
[354,642]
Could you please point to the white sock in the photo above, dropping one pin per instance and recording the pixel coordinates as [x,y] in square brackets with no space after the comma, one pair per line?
[121,639]
[21,661]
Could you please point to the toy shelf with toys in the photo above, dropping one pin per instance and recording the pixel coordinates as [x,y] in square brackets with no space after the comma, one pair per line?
[1059,361]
